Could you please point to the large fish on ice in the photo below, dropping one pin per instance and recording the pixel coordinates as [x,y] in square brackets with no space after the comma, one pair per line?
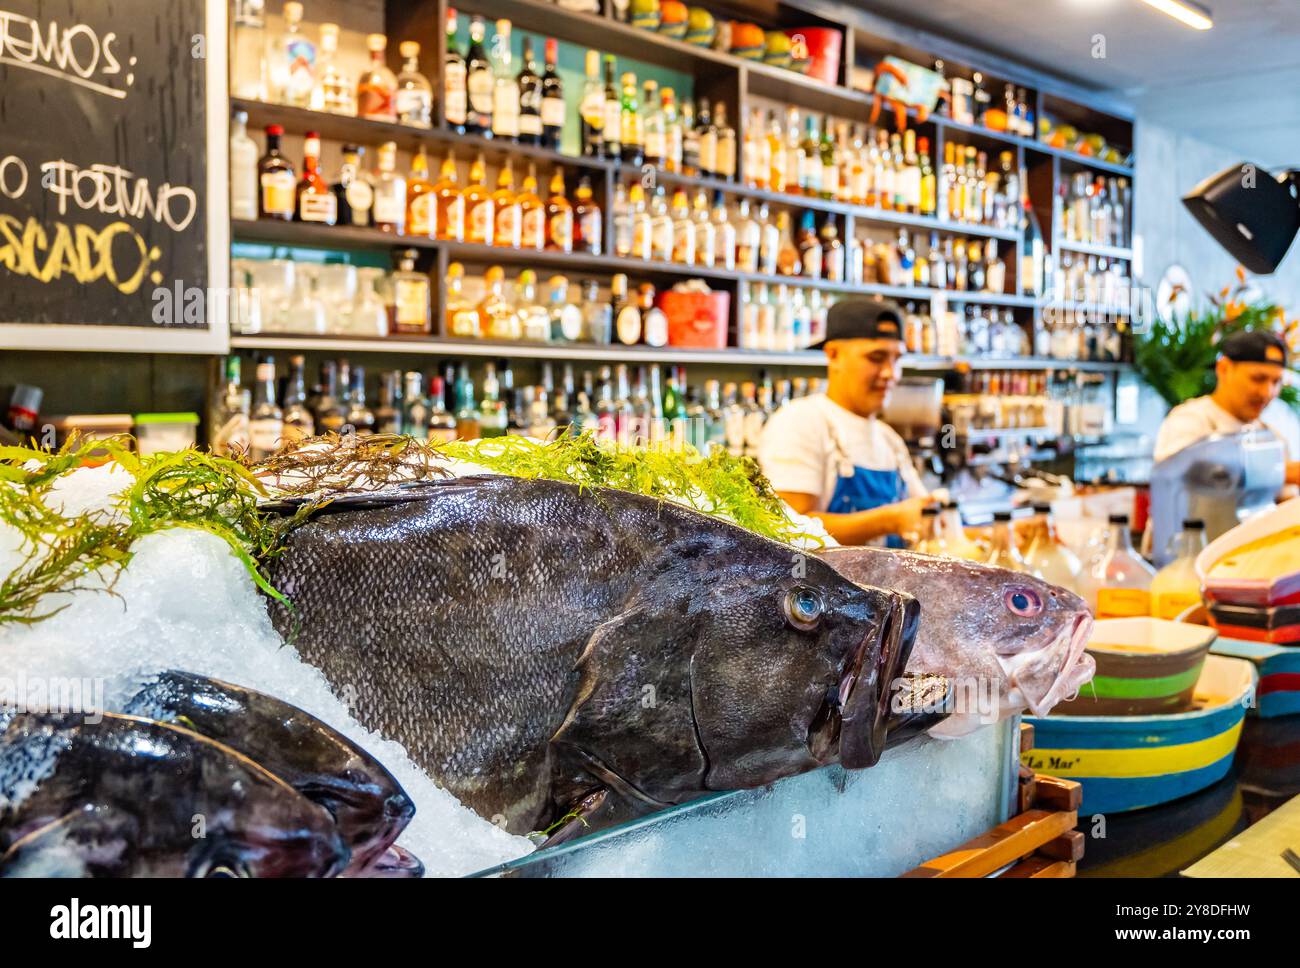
[127,797]
[991,631]
[368,805]
[542,650]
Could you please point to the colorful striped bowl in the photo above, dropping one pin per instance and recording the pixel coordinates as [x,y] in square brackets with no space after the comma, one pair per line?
[1129,762]
[1278,668]
[1144,666]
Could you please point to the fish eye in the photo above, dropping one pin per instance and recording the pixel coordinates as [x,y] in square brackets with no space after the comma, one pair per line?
[1024,602]
[803,607]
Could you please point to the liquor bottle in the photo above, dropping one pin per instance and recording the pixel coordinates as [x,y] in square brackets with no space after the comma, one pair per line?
[248,67]
[532,213]
[455,100]
[462,319]
[328,411]
[467,414]
[243,169]
[298,423]
[421,202]
[810,248]
[266,419]
[654,323]
[353,194]
[314,201]
[690,140]
[627,316]
[534,318]
[377,88]
[725,164]
[497,317]
[642,223]
[565,316]
[748,239]
[530,98]
[673,143]
[559,216]
[778,174]
[415,408]
[230,418]
[612,126]
[505,89]
[929,195]
[390,192]
[293,62]
[553,110]
[756,162]
[683,229]
[450,202]
[830,176]
[442,426]
[410,312]
[911,181]
[413,102]
[588,220]
[597,315]
[810,160]
[788,261]
[592,109]
[707,133]
[706,242]
[622,221]
[480,210]
[632,148]
[478,84]
[832,250]
[388,415]
[724,233]
[509,220]
[276,179]
[1031,266]
[492,416]
[793,149]
[661,227]
[333,90]
[902,199]
[653,132]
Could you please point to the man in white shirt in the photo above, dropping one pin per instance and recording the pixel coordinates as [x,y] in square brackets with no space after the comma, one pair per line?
[1249,373]
[829,455]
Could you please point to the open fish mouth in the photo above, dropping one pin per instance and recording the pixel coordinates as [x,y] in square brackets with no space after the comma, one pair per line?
[864,693]
[1028,681]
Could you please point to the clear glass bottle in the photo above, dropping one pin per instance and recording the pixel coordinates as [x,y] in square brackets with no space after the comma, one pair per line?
[1176,587]
[248,50]
[455,99]
[266,420]
[298,422]
[597,314]
[463,320]
[243,169]
[230,420]
[496,314]
[442,426]
[293,62]
[1120,582]
[390,192]
[467,413]
[505,89]
[534,320]
[1003,553]
[622,222]
[1046,556]
[413,101]
[416,406]
[377,88]
[565,316]
[931,540]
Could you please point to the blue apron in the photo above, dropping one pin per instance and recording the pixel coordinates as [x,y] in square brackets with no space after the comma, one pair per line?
[863,489]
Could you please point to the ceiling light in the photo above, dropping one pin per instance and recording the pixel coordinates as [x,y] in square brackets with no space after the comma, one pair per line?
[1194,16]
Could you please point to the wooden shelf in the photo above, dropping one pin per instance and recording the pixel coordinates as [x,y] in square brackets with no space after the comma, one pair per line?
[1088,248]
[1085,161]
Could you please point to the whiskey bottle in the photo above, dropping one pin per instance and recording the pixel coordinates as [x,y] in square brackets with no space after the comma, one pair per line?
[315,202]
[276,198]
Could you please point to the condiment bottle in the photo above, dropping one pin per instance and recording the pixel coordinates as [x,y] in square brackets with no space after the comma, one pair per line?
[954,535]
[1046,557]
[1176,586]
[1121,580]
[1004,553]
[931,542]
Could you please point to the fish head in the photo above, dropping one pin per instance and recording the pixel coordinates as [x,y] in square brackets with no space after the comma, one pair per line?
[737,662]
[798,673]
[999,635]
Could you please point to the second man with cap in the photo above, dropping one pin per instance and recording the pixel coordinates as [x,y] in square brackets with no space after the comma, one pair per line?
[829,455]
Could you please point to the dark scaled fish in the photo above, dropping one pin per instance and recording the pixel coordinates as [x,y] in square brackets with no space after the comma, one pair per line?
[369,806]
[127,797]
[1008,641]
[541,650]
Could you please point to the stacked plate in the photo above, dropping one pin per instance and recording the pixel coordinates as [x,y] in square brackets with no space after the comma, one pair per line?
[1250,578]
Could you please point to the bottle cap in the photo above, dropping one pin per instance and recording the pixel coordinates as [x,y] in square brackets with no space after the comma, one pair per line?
[1042,507]
[1001,516]
[1193,524]
[409,49]
[376,42]
[1119,519]
[930,512]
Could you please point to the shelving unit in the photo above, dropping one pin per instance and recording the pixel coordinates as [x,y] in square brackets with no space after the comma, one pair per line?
[719,75]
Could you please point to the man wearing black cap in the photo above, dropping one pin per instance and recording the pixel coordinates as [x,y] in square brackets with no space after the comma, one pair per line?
[1249,373]
[829,455]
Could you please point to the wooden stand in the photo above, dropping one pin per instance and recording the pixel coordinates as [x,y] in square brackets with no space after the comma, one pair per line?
[1040,841]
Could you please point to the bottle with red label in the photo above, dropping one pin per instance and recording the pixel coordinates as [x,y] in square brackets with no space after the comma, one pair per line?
[315,202]
[377,89]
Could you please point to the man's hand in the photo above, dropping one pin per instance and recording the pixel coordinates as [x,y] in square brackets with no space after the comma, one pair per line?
[907,514]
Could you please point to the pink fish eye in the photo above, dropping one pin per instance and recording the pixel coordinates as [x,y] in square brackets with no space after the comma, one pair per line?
[1024,602]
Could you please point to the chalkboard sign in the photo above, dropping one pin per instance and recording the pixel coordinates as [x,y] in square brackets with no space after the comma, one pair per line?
[113,213]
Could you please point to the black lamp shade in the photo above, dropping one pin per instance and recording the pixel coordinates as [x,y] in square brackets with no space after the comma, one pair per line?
[1250,213]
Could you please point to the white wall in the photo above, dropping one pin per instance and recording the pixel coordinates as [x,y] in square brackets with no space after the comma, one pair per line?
[1169,165]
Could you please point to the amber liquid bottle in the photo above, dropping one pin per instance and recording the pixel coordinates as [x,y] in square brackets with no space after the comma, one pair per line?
[421,209]
[509,225]
[480,213]
[587,219]
[314,201]
[532,213]
[450,221]
[559,216]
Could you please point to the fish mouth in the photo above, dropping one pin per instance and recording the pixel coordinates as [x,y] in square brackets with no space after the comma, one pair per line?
[1072,642]
[395,862]
[864,699]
